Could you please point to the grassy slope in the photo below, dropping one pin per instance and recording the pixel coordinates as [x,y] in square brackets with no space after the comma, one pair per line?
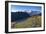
[34,21]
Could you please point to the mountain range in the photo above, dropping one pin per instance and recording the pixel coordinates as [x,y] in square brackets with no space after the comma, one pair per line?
[18,16]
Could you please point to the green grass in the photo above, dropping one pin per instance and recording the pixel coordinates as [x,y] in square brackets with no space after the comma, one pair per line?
[34,21]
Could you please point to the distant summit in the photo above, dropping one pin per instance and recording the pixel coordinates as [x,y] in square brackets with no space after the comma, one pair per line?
[35,13]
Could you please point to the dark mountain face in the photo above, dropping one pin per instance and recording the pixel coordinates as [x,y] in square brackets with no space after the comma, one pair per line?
[17,16]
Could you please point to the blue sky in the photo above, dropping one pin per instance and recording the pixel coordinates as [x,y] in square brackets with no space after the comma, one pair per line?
[15,8]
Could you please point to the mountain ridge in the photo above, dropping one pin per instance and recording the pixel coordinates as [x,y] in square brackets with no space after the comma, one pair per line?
[16,16]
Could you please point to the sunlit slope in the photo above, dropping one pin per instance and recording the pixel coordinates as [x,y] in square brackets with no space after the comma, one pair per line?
[34,21]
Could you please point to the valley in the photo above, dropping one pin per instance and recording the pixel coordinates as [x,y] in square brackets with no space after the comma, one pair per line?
[31,22]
